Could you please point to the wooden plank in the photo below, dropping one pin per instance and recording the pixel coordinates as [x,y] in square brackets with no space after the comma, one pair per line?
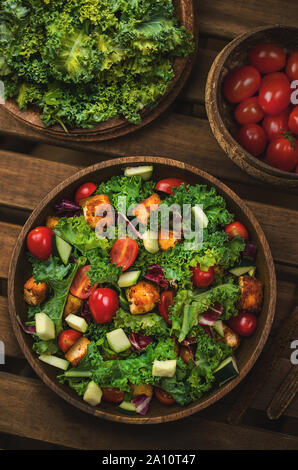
[227,18]
[8,233]
[6,332]
[79,430]
[172,135]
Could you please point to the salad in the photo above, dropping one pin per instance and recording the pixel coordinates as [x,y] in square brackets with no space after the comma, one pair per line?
[128,307]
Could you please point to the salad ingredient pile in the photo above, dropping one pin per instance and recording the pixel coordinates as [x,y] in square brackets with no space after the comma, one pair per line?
[83,62]
[261,93]
[126,318]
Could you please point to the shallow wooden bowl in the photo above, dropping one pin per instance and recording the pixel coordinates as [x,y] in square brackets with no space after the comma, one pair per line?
[20,271]
[186,13]
[220,112]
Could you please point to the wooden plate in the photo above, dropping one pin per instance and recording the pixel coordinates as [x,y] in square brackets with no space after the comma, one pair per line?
[20,270]
[220,113]
[186,13]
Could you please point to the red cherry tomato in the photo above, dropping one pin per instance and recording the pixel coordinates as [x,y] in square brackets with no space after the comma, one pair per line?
[84,191]
[103,304]
[241,84]
[282,153]
[166,185]
[164,397]
[39,242]
[236,229]
[166,300]
[124,252]
[249,111]
[202,278]
[81,286]
[275,125]
[112,395]
[271,76]
[275,96]
[252,138]
[68,338]
[244,324]
[292,66]
[267,57]
[293,121]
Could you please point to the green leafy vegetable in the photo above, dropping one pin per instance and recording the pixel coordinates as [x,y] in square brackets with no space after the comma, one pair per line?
[86,61]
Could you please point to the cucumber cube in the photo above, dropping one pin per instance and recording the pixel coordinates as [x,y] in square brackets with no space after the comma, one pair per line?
[200,216]
[77,323]
[54,361]
[92,394]
[129,279]
[150,242]
[45,328]
[164,368]
[145,172]
[118,340]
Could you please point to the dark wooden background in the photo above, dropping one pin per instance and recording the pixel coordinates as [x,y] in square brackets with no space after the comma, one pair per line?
[31,416]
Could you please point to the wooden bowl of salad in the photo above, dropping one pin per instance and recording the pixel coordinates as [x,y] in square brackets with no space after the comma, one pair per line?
[126,79]
[158,329]
[250,116]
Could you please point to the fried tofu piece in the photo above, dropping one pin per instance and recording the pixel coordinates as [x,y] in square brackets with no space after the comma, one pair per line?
[73,305]
[35,293]
[91,206]
[143,389]
[231,338]
[76,353]
[142,297]
[142,211]
[52,221]
[167,239]
[251,294]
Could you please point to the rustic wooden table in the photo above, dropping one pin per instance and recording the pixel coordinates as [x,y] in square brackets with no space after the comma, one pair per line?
[31,416]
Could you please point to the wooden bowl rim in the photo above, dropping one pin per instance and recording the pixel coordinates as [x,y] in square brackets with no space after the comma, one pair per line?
[117,127]
[214,116]
[33,359]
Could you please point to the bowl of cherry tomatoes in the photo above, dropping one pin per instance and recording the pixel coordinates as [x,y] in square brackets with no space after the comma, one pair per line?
[252,103]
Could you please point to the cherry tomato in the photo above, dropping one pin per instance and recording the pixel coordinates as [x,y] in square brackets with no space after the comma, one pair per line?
[81,286]
[275,125]
[293,121]
[68,338]
[236,229]
[244,324]
[292,66]
[252,138]
[166,299]
[202,278]
[241,84]
[124,252]
[39,242]
[103,304]
[166,185]
[112,395]
[249,111]
[282,153]
[275,96]
[164,397]
[271,76]
[267,57]
[84,191]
